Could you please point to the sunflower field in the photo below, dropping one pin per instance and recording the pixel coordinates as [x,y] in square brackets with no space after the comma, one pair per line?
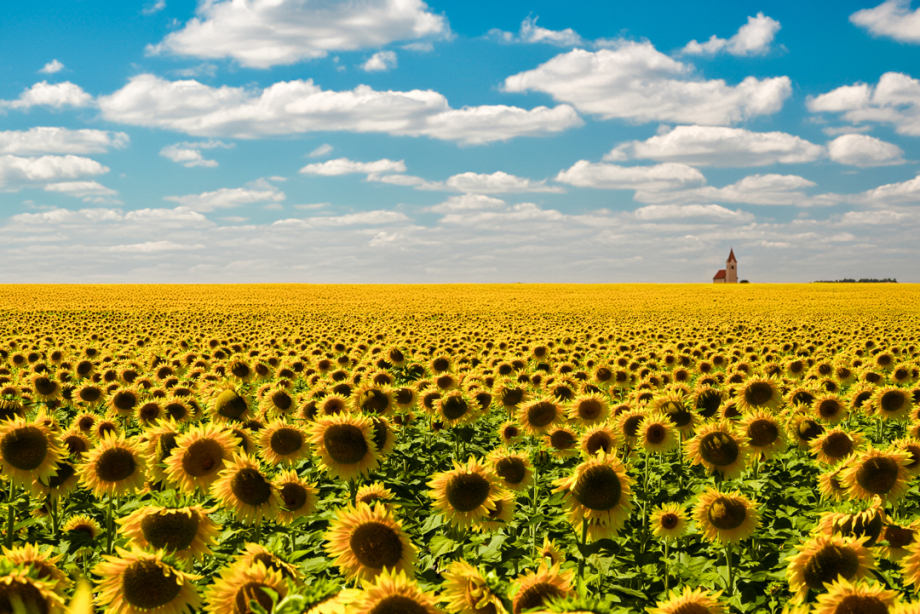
[460,449]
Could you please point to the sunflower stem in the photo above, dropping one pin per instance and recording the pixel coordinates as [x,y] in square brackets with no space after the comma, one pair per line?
[54,516]
[109,524]
[730,589]
[666,566]
[11,515]
[581,561]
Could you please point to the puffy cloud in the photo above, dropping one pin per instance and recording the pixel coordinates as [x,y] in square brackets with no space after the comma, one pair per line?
[380,61]
[344,166]
[153,246]
[265,33]
[156,7]
[300,106]
[189,154]
[863,150]
[753,38]
[895,100]
[530,32]
[320,151]
[89,191]
[670,176]
[676,212]
[17,172]
[52,140]
[893,193]
[226,198]
[892,19]
[57,96]
[770,189]
[634,81]
[364,218]
[466,202]
[52,67]
[719,146]
[496,183]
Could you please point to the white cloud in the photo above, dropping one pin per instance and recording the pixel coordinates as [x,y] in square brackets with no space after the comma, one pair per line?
[226,198]
[634,81]
[364,218]
[769,189]
[466,202]
[53,140]
[89,191]
[265,33]
[320,151]
[154,246]
[893,19]
[893,193]
[670,176]
[676,212]
[300,106]
[719,146]
[877,217]
[57,96]
[530,32]
[156,7]
[496,183]
[380,61]
[189,154]
[894,101]
[18,172]
[863,150]
[753,38]
[52,67]
[344,166]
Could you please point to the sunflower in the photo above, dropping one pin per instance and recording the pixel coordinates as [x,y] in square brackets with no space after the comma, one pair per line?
[161,441]
[62,482]
[899,538]
[45,388]
[600,437]
[510,394]
[83,524]
[465,591]
[114,467]
[867,523]
[467,493]
[243,489]
[277,402]
[533,590]
[707,401]
[500,516]
[912,447]
[829,483]
[538,417]
[373,399]
[332,405]
[589,409]
[562,441]
[28,594]
[405,398]
[726,517]
[674,406]
[199,456]
[135,582]
[824,558]
[384,435]
[238,585]
[877,473]
[699,601]
[597,493]
[123,400]
[844,598]
[44,564]
[455,407]
[298,497]
[890,403]
[372,493]
[186,532]
[345,445]
[759,393]
[509,432]
[282,443]
[718,448]
[366,540]
[656,433]
[835,445]
[628,425]
[803,429]
[85,421]
[829,408]
[550,551]
[149,413]
[256,553]
[28,451]
[229,406]
[392,593]
[669,521]
[513,468]
[764,434]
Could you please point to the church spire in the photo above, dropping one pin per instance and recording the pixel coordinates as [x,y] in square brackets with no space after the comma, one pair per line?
[731,256]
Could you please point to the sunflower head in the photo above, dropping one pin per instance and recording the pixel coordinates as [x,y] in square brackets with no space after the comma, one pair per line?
[726,517]
[699,601]
[533,590]
[365,541]
[669,521]
[467,493]
[825,558]
[135,581]
[598,492]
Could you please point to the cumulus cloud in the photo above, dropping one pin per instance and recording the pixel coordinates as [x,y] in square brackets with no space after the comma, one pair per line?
[530,32]
[227,198]
[265,33]
[895,101]
[344,166]
[54,95]
[154,246]
[769,189]
[669,176]
[364,218]
[904,192]
[156,7]
[189,154]
[89,191]
[466,202]
[53,140]
[300,106]
[677,212]
[320,151]
[496,183]
[753,38]
[380,61]
[891,19]
[634,81]
[51,67]
[17,172]
[719,146]
[863,151]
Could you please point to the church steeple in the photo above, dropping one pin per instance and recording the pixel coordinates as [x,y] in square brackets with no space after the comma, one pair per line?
[731,256]
[731,268]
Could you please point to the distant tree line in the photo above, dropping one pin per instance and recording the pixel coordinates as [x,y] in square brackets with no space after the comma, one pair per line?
[864,280]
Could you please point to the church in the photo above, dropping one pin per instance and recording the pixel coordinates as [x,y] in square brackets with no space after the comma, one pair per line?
[728,275]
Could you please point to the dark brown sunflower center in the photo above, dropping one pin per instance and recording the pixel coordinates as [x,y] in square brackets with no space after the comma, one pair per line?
[669,521]
[467,491]
[65,471]
[149,411]
[631,425]
[828,563]
[837,445]
[404,396]
[124,400]
[170,529]
[454,407]
[692,608]
[25,596]
[598,488]
[656,434]
[282,400]
[293,496]
[562,439]
[511,432]
[599,441]
[252,591]
[239,369]
[861,604]
[166,443]
[376,545]
[914,451]
[176,411]
[511,469]
[147,584]
[250,487]
[762,432]
[829,408]
[203,457]
[381,433]
[867,524]
[333,406]
[24,448]
[892,401]
[708,403]
[75,444]
[536,595]
[345,443]
[899,537]
[861,398]
[286,441]
[398,604]
[878,475]
[86,423]
[719,449]
[45,386]
[374,401]
[590,409]
[541,414]
[759,394]
[115,465]
[230,405]
[727,513]
[808,429]
[511,396]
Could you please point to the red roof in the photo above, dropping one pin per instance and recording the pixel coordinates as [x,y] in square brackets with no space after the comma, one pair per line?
[731,256]
[720,274]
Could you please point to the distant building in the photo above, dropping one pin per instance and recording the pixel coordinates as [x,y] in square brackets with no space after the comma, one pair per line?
[728,275]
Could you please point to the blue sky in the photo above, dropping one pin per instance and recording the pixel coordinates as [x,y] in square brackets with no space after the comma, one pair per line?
[404,141]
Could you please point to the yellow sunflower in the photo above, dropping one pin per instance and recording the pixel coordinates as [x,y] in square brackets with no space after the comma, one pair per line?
[824,558]
[656,433]
[345,445]
[229,405]
[699,601]
[365,541]
[912,447]
[589,409]
[514,468]
[877,473]
[298,497]
[533,590]
[28,451]
[550,551]
[863,597]
[509,432]
[374,492]
[465,591]
[899,538]
[238,585]
[600,437]
[764,434]
[597,492]
[726,517]
[256,553]
[467,493]
[562,441]
[282,443]
[136,582]
[718,448]
[628,425]
[29,594]
[499,516]
[674,406]
[867,523]
[243,489]
[829,408]
[835,445]
[455,407]
[391,593]
[910,565]
[759,393]
[83,524]
[669,521]
[829,484]
[62,482]
[185,532]
[44,564]
[890,403]
[199,456]
[537,417]
[384,436]
[161,440]
[114,467]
